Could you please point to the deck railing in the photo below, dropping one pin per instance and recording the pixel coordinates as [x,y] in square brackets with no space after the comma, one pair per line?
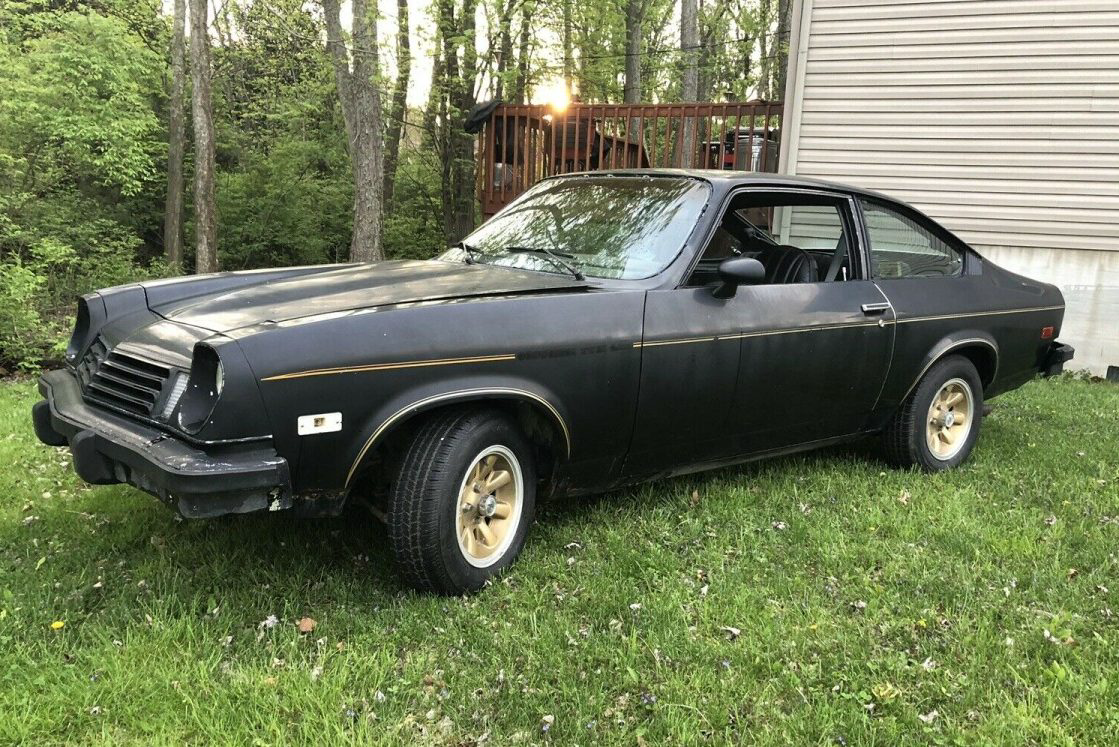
[521,144]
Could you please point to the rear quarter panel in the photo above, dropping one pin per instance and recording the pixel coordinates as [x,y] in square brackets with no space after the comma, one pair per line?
[988,307]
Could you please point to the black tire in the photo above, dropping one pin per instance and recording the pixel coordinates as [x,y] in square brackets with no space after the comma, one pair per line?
[905,439]
[425,499]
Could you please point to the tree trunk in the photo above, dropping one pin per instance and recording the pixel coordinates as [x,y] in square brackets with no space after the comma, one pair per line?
[176,137]
[520,93]
[781,53]
[689,84]
[457,151]
[689,50]
[205,220]
[631,90]
[568,51]
[398,109]
[504,46]
[368,154]
[361,113]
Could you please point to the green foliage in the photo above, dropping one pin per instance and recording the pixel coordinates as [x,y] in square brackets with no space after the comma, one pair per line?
[22,335]
[414,224]
[80,152]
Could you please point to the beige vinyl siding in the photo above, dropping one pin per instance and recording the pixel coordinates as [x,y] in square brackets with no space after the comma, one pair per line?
[1000,118]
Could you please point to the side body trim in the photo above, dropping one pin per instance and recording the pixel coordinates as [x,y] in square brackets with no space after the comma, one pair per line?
[392,366]
[449,396]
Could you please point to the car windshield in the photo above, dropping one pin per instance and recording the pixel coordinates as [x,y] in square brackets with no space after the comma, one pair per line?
[623,227]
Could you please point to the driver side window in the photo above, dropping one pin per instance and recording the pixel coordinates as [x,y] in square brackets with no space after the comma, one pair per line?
[798,238]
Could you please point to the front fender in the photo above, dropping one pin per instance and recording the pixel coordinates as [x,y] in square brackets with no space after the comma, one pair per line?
[410,402]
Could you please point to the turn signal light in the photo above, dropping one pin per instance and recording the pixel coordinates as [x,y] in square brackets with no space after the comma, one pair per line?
[1047,333]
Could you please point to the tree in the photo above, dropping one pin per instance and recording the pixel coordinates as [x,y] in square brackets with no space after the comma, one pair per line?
[635,15]
[459,69]
[689,50]
[205,218]
[361,112]
[176,137]
[398,108]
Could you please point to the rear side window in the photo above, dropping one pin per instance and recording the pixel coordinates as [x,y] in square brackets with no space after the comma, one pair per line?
[900,247]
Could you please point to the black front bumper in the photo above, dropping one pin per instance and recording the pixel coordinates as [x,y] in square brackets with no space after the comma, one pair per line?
[196,481]
[1055,359]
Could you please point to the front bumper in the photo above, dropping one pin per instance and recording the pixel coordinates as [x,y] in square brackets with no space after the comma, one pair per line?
[196,481]
[1055,359]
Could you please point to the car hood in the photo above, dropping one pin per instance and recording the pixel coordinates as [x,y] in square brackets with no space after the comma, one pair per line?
[354,287]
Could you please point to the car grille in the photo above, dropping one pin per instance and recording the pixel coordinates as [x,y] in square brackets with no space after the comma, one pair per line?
[122,380]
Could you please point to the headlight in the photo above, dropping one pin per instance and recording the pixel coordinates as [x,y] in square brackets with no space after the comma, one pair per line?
[81,331]
[207,379]
[90,319]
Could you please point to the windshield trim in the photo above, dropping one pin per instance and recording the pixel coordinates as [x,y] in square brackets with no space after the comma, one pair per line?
[605,176]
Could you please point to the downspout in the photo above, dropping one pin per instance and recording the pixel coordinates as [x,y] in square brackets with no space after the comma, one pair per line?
[799,34]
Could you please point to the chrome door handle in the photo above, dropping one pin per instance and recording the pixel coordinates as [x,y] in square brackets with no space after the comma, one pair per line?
[875,308]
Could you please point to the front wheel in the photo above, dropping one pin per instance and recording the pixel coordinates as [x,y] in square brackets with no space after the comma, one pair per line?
[937,425]
[462,501]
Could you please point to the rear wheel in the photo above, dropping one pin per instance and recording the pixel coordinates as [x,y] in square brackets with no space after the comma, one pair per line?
[462,501]
[937,425]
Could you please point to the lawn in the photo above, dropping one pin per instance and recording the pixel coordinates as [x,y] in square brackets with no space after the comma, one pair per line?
[816,599]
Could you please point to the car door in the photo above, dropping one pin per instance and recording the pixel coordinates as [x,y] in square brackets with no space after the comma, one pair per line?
[774,366]
[924,273]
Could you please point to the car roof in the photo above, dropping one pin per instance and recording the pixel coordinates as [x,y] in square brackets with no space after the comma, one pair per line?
[728,178]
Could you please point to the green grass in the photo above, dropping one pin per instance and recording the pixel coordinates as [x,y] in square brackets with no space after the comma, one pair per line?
[985,601]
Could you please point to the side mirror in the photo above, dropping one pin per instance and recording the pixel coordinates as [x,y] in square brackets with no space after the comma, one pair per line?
[738,271]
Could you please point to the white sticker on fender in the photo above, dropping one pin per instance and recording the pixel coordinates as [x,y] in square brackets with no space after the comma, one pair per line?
[327,422]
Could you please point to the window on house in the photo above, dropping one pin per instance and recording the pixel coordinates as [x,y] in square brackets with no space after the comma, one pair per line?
[900,247]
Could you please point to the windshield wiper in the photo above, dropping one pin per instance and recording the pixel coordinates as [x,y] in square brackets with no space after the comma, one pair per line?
[470,250]
[556,258]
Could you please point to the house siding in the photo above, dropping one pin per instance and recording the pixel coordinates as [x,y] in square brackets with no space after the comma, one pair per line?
[1000,118]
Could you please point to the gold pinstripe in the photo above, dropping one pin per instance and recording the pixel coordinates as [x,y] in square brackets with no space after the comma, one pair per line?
[977,313]
[842,325]
[648,344]
[392,366]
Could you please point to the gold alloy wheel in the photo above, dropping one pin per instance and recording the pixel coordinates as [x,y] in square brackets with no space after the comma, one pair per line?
[489,506]
[950,418]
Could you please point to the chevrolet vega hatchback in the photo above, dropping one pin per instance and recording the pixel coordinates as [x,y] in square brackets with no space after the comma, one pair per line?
[603,329]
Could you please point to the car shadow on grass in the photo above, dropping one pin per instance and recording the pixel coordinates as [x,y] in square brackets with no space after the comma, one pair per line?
[332,557]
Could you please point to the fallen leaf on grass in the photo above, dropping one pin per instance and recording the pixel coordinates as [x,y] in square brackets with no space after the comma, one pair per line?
[731,631]
[903,498]
[58,625]
[306,625]
[885,692]
[929,717]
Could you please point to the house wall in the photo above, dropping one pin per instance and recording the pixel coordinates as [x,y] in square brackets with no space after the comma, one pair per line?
[1000,118]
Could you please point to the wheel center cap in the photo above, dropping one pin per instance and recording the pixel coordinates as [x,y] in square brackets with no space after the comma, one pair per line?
[487,506]
[949,419]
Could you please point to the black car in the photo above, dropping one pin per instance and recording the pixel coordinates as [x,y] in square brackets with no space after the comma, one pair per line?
[603,329]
